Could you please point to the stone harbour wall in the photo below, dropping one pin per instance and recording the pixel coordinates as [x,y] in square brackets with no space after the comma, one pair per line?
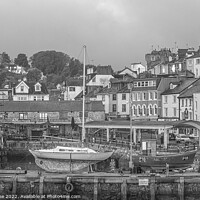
[100,186]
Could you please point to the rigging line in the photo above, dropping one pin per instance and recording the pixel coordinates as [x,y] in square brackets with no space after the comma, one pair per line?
[87,58]
[81,52]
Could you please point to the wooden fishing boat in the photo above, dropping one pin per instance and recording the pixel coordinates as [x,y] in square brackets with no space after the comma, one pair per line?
[67,159]
[173,160]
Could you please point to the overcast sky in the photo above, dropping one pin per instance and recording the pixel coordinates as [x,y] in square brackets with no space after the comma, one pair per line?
[116,32]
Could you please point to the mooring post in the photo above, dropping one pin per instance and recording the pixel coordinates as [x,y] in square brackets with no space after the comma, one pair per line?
[124,189]
[14,186]
[181,188]
[96,183]
[152,187]
[41,186]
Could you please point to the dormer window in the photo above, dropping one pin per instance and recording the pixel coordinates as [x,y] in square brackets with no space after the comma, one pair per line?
[22,88]
[37,87]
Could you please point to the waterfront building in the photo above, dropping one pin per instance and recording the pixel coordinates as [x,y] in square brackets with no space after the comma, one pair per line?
[146,97]
[186,99]
[24,116]
[171,104]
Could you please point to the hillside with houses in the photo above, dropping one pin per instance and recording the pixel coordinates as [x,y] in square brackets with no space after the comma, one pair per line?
[167,88]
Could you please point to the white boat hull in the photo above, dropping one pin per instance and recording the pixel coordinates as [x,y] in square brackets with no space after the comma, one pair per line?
[72,156]
[54,161]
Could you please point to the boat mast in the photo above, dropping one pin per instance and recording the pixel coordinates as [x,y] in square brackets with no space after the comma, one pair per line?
[83,112]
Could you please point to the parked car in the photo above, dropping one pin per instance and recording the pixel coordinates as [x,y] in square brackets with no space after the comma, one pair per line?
[182,137]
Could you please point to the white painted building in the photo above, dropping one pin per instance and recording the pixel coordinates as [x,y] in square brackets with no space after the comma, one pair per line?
[123,102]
[30,92]
[196,107]
[193,65]
[138,67]
[126,70]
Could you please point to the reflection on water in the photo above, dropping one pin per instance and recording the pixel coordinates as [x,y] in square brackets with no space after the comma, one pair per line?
[23,160]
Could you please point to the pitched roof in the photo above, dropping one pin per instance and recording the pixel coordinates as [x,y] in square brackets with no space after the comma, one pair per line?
[74,82]
[194,56]
[191,90]
[31,86]
[50,106]
[179,88]
[124,90]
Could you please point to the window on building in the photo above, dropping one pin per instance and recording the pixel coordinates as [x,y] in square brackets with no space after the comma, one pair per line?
[135,84]
[23,115]
[114,107]
[166,112]
[138,84]
[134,110]
[72,89]
[141,96]
[136,96]
[144,96]
[174,112]
[165,97]
[155,95]
[186,102]
[155,109]
[37,87]
[144,110]
[146,83]
[22,88]
[154,83]
[150,95]
[103,97]
[142,84]
[197,61]
[190,102]
[139,110]
[43,116]
[123,107]
[150,110]
[150,83]
[174,98]
[182,102]
[123,96]
[34,98]
[114,97]
[42,98]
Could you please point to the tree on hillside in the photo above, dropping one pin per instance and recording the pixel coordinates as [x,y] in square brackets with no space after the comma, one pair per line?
[75,67]
[50,62]
[22,61]
[33,75]
[2,78]
[5,58]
